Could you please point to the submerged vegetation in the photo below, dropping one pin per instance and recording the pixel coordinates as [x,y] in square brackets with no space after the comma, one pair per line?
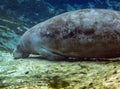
[44,74]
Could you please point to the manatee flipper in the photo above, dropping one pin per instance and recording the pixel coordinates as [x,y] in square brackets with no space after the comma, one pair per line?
[50,55]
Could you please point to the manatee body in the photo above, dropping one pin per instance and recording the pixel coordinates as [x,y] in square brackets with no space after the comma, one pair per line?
[89,33]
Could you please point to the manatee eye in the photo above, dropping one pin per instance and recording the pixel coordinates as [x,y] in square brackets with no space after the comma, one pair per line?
[18,47]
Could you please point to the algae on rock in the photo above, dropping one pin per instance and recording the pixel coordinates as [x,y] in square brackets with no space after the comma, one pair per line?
[38,73]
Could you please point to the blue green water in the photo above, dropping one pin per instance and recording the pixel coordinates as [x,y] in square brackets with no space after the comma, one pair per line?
[17,16]
[40,10]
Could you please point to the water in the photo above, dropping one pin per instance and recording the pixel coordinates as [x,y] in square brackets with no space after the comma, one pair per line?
[17,16]
[40,10]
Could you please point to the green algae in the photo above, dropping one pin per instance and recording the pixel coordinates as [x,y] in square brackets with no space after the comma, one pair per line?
[32,73]
[56,83]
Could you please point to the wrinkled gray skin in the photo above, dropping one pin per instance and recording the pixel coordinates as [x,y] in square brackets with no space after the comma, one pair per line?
[82,33]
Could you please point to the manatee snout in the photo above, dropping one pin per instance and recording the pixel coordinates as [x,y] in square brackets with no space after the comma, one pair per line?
[17,53]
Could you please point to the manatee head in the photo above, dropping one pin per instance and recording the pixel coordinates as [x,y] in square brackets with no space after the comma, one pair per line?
[19,53]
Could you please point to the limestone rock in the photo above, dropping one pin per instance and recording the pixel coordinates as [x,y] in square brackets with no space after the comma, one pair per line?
[37,73]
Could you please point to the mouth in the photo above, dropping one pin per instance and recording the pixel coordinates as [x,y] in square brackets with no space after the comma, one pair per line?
[25,55]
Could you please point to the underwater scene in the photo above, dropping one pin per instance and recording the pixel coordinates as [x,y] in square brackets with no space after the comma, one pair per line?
[59,44]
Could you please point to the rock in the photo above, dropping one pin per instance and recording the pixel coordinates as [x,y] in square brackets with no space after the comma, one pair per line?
[36,73]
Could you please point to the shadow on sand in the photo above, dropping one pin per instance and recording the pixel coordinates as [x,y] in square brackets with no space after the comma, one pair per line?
[82,59]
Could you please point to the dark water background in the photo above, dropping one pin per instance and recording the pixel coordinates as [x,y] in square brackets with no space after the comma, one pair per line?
[16,16]
[40,10]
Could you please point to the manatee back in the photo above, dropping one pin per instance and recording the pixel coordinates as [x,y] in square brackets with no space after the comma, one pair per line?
[92,33]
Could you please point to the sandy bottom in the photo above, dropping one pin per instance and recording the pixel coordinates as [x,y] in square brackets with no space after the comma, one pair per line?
[36,73]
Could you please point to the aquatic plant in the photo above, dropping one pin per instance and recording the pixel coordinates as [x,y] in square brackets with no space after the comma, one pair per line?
[56,83]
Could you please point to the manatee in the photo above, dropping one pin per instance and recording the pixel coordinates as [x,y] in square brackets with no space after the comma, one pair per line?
[86,33]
